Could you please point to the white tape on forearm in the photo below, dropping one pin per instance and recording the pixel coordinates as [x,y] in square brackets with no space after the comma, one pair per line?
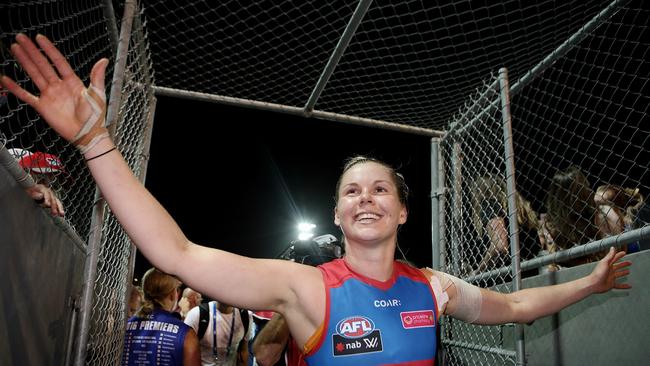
[468,300]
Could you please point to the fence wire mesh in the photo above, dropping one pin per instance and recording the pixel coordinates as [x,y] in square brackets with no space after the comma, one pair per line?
[475,215]
[79,31]
[580,121]
[106,336]
[580,135]
[83,34]
[410,62]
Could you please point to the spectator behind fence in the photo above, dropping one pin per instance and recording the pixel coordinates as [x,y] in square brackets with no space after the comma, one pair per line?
[222,330]
[628,204]
[40,166]
[188,301]
[490,219]
[365,308]
[155,336]
[135,300]
[578,215]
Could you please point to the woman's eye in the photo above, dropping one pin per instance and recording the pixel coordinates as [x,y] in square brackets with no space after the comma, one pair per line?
[381,189]
[351,191]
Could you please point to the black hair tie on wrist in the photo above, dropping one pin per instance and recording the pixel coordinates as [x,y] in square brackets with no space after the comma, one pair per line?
[102,154]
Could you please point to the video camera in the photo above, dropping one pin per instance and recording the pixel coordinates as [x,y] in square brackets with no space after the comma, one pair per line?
[314,251]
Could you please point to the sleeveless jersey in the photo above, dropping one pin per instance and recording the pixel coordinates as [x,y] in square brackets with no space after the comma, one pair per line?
[369,322]
[154,340]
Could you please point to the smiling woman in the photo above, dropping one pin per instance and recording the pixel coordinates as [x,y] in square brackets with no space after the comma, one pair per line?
[370,202]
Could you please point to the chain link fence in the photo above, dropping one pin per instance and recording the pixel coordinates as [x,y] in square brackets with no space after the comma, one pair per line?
[134,121]
[579,134]
[84,33]
[580,128]
[80,32]
[476,217]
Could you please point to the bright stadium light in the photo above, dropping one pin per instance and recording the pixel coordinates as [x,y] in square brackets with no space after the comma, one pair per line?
[305,230]
[305,236]
[306,227]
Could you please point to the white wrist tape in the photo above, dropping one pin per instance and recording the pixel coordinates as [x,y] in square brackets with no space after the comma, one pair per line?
[93,128]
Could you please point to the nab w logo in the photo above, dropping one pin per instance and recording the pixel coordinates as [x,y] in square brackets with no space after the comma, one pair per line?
[371,342]
[355,327]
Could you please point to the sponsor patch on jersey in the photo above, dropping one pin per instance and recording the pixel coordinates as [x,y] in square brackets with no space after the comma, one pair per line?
[355,327]
[357,346]
[418,319]
[356,335]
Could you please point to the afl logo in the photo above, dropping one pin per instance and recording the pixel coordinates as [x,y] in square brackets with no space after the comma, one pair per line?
[355,327]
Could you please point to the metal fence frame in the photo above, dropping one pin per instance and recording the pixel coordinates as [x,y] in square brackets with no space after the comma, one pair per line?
[441,197]
[440,194]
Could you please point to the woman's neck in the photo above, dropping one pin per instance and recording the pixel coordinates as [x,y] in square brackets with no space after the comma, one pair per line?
[169,303]
[374,262]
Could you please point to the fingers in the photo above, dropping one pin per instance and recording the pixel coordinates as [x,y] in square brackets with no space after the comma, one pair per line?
[54,204]
[621,273]
[98,72]
[21,55]
[610,256]
[57,207]
[36,56]
[46,198]
[620,265]
[618,256]
[57,58]
[613,256]
[37,196]
[623,286]
[19,92]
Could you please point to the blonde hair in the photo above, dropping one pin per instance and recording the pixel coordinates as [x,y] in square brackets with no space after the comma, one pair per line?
[628,201]
[156,286]
[571,209]
[135,299]
[494,187]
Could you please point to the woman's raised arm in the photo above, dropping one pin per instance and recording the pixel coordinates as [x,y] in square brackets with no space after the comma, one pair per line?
[77,113]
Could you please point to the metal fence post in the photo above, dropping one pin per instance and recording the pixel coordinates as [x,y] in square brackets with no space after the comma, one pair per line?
[512,203]
[436,194]
[99,208]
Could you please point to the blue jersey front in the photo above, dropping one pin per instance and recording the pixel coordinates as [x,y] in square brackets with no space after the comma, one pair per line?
[154,340]
[369,322]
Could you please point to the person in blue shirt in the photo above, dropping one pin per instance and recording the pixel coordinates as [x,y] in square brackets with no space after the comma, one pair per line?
[156,336]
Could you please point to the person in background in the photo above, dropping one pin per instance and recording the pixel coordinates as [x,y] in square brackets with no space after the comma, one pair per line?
[343,312]
[135,300]
[628,204]
[273,345]
[490,219]
[224,340]
[188,301]
[41,167]
[578,215]
[154,336]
